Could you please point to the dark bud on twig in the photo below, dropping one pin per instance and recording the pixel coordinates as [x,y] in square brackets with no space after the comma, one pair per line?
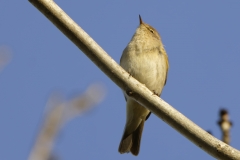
[225,125]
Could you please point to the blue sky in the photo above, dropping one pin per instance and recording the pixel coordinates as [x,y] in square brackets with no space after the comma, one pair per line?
[203,45]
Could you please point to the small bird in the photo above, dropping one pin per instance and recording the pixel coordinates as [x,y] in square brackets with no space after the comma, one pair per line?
[146,60]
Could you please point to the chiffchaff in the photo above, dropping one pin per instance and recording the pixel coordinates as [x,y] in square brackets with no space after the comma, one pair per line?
[146,60]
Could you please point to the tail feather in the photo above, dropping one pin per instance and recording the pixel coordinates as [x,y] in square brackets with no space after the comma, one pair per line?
[136,139]
[125,144]
[131,142]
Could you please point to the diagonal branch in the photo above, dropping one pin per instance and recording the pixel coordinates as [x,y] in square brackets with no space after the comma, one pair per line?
[143,95]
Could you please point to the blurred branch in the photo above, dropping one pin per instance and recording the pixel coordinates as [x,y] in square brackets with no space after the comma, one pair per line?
[5,56]
[225,125]
[141,94]
[58,114]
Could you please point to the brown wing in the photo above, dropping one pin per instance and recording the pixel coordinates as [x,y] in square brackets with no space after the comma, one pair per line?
[167,64]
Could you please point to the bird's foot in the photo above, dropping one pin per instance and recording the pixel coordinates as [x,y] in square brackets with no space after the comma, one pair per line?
[129,76]
[155,93]
[129,92]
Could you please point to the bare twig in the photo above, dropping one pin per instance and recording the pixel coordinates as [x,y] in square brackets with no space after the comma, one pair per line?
[225,125]
[5,56]
[201,138]
[58,114]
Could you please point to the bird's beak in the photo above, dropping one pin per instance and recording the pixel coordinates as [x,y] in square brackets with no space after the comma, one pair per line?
[140,19]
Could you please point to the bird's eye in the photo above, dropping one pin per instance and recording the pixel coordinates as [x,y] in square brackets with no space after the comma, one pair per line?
[151,30]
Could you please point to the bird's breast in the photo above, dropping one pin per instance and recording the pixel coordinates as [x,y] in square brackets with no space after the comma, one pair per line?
[148,66]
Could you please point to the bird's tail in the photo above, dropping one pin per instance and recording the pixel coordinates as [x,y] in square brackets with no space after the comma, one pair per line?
[131,142]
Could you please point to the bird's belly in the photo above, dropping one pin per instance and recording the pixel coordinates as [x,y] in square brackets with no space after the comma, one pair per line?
[149,69]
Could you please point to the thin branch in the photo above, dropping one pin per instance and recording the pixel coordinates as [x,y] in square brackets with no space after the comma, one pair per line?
[225,125]
[58,114]
[5,56]
[167,113]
